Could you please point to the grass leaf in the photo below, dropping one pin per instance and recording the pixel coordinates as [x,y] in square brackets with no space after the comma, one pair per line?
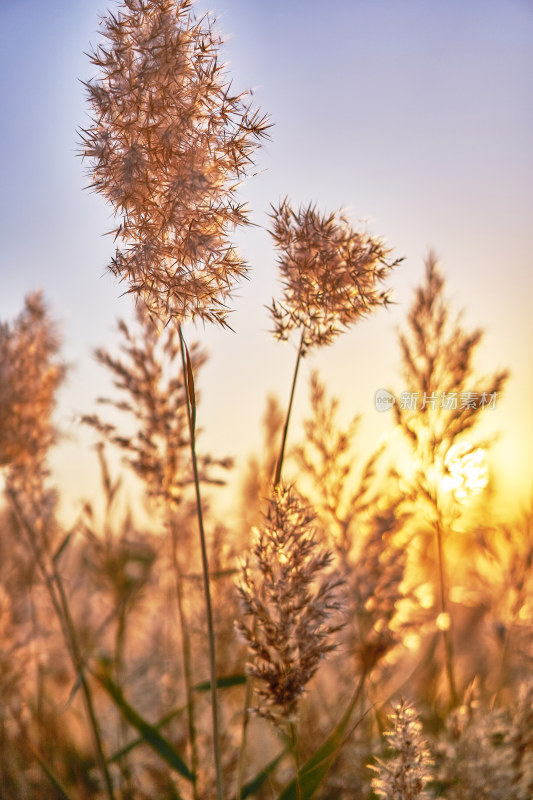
[317,767]
[73,692]
[205,686]
[59,552]
[225,682]
[136,742]
[149,733]
[190,388]
[255,784]
[56,783]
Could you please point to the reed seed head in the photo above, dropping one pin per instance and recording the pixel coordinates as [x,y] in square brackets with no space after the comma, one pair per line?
[168,145]
[290,597]
[31,373]
[329,272]
[405,774]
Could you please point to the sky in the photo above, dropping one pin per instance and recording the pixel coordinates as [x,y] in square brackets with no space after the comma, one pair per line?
[414,116]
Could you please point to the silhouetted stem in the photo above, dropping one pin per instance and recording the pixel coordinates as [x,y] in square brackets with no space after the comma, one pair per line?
[446,637]
[294,748]
[277,477]
[189,393]
[187,661]
[120,644]
[85,685]
[244,735]
[60,602]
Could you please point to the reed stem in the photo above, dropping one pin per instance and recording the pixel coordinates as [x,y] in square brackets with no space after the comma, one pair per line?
[277,477]
[188,380]
[294,748]
[446,632]
[54,584]
[187,661]
[250,681]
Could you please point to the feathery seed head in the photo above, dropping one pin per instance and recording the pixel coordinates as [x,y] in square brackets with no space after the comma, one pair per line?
[30,376]
[330,273]
[290,599]
[404,776]
[168,145]
[376,589]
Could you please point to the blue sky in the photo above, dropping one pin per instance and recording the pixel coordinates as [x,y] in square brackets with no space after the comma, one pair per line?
[415,115]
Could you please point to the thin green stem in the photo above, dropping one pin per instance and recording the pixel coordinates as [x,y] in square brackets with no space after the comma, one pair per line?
[279,466]
[191,417]
[187,660]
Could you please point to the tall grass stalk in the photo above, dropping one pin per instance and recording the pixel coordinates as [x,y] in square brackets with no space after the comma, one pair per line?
[188,378]
[120,642]
[330,274]
[438,357]
[296,755]
[446,628]
[279,465]
[187,661]
[62,609]
[248,695]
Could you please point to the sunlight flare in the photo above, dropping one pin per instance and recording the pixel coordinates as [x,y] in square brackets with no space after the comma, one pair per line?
[467,471]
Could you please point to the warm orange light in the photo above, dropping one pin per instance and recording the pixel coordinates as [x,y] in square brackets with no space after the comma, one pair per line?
[467,472]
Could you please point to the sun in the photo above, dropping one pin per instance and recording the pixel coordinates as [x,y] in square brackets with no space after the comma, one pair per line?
[467,472]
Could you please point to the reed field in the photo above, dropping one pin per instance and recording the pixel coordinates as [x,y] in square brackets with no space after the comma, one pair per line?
[365,629]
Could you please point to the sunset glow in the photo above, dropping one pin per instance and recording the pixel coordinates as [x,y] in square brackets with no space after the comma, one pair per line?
[242,520]
[467,471]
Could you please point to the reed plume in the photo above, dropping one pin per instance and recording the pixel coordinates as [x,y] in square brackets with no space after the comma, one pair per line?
[404,775]
[168,146]
[342,490]
[376,583]
[438,363]
[31,373]
[291,600]
[330,275]
[29,358]
[486,752]
[149,377]
[329,272]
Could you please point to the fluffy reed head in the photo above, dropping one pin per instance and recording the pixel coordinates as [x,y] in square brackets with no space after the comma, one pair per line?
[376,589]
[329,272]
[290,599]
[485,752]
[31,373]
[149,376]
[405,774]
[168,145]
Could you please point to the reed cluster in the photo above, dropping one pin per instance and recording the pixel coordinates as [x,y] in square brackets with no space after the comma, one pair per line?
[291,602]
[353,605]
